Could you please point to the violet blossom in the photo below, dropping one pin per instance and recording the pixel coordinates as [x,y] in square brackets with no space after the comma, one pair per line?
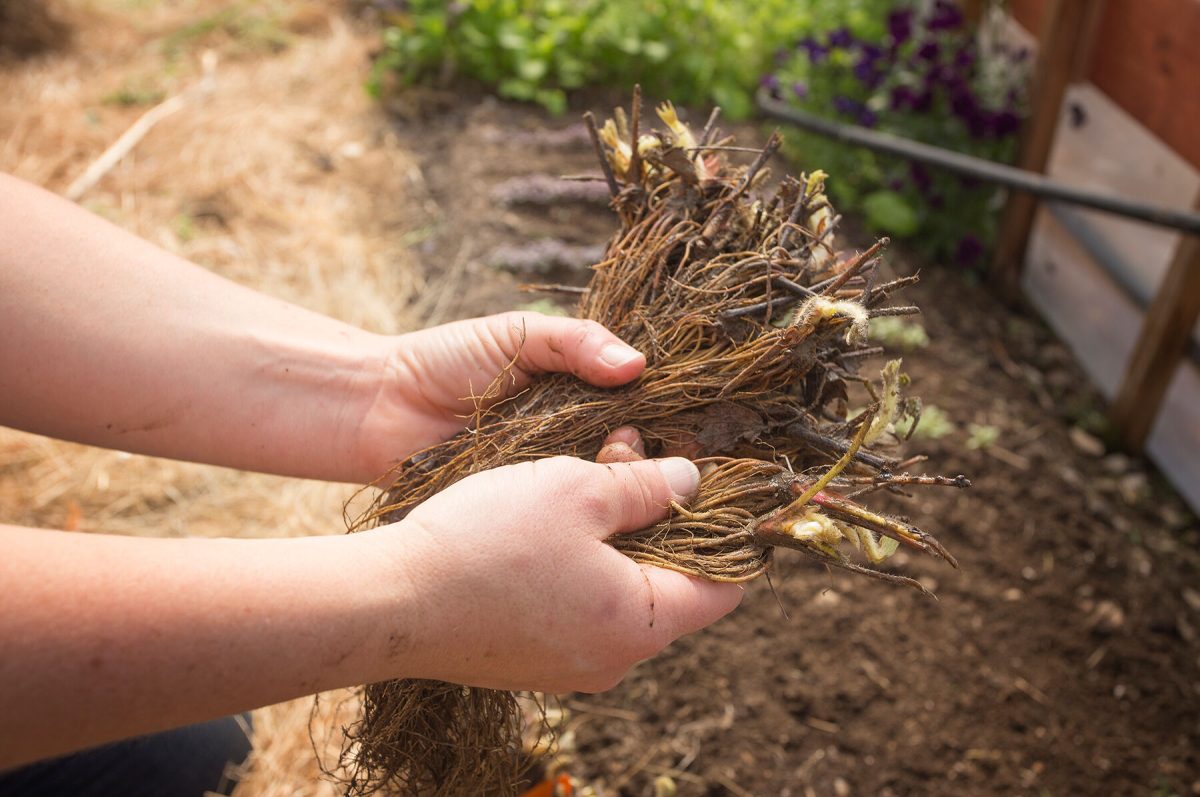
[901,98]
[899,25]
[969,250]
[946,16]
[845,105]
[842,38]
[816,51]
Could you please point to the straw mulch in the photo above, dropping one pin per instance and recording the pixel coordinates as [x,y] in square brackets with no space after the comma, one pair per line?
[283,176]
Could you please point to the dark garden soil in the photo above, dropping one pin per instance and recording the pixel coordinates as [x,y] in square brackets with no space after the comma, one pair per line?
[1060,659]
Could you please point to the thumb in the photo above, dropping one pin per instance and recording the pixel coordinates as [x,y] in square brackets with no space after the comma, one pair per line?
[683,604]
[571,345]
[629,496]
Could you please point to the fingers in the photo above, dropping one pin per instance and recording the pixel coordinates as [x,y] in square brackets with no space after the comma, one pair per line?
[567,345]
[624,444]
[628,496]
[629,436]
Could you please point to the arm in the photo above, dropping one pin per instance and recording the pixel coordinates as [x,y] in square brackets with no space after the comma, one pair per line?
[108,340]
[502,581]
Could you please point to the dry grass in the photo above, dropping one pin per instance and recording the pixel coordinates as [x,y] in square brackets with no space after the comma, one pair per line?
[283,176]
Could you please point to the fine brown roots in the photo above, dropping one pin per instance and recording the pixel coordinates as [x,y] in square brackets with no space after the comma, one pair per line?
[753,327]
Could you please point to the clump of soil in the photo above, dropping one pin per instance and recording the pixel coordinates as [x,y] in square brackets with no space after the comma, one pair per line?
[753,325]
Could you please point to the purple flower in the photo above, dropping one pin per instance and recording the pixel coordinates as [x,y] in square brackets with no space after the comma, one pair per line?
[946,16]
[842,37]
[952,81]
[867,118]
[800,90]
[969,250]
[847,106]
[963,104]
[870,52]
[899,25]
[924,102]
[816,51]
[964,59]
[929,51]
[1006,123]
[902,98]
[867,74]
[771,84]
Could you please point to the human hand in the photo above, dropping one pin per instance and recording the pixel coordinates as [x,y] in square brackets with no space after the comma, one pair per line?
[513,586]
[430,378]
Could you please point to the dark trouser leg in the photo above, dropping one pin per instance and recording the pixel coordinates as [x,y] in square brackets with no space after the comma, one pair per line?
[185,762]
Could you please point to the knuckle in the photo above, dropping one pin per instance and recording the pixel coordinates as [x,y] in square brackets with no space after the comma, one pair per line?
[589,331]
[599,490]
[651,495]
[512,323]
[586,483]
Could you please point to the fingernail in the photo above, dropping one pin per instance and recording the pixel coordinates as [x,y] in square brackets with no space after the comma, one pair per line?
[681,475]
[618,354]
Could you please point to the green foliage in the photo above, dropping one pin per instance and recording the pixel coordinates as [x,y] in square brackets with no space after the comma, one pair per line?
[692,51]
[934,424]
[980,435]
[891,212]
[185,227]
[896,333]
[135,93]
[544,306]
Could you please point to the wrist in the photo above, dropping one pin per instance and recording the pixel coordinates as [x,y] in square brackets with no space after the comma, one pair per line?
[387,425]
[369,377]
[388,584]
[323,390]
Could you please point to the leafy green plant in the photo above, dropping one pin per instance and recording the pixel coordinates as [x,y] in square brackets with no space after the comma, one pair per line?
[915,70]
[896,333]
[934,424]
[982,435]
[544,306]
[695,51]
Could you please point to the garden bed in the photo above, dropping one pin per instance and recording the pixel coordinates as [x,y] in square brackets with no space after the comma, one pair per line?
[1061,658]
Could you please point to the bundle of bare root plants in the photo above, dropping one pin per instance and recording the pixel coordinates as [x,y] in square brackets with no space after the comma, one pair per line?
[753,327]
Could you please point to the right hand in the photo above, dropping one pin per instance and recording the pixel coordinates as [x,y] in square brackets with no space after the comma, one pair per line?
[513,586]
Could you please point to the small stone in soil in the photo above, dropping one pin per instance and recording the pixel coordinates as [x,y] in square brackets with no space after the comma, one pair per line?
[1085,442]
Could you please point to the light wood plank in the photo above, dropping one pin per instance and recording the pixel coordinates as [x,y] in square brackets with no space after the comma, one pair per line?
[1160,346]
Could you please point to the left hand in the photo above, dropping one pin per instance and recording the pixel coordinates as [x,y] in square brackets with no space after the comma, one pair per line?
[431,377]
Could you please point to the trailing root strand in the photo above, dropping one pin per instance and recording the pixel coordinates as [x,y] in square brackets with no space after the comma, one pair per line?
[753,330]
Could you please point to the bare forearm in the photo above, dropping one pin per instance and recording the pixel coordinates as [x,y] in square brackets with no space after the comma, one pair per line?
[106,637]
[109,340]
